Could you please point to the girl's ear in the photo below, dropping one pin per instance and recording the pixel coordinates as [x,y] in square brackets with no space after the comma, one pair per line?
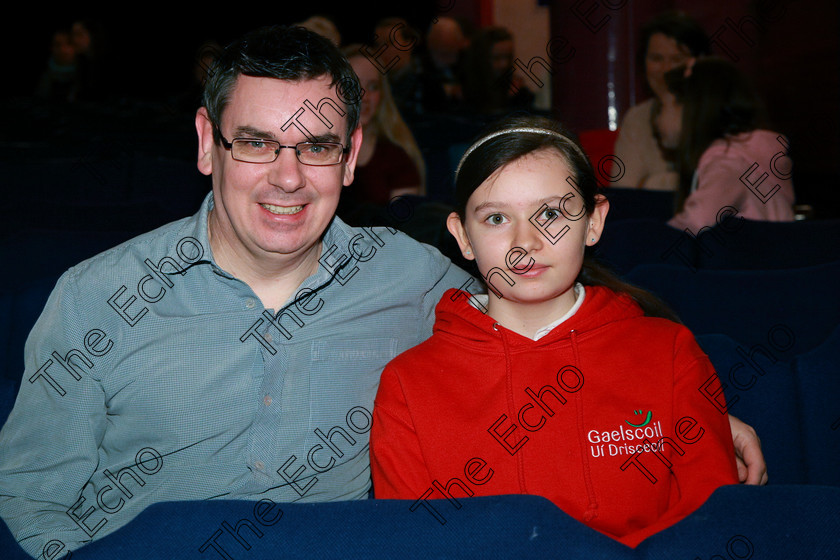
[596,219]
[456,228]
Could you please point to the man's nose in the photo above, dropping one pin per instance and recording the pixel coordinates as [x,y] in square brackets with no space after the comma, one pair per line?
[286,171]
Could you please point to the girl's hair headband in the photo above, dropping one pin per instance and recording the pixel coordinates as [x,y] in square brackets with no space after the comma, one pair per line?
[532,130]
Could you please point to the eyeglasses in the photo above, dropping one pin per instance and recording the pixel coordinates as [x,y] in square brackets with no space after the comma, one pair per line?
[258,150]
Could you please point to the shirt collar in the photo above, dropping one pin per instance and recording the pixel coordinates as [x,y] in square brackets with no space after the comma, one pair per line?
[197,228]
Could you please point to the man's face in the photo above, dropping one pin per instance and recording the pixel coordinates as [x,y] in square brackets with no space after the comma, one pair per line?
[281,209]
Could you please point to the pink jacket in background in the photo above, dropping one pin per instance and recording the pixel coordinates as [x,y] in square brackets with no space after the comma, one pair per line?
[750,172]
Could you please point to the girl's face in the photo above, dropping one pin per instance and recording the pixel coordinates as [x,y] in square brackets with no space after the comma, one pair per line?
[369,78]
[527,229]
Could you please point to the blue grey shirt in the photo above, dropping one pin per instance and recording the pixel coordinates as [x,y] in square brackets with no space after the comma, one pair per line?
[153,375]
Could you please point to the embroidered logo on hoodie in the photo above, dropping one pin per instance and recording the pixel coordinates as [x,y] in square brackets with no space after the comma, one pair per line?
[622,440]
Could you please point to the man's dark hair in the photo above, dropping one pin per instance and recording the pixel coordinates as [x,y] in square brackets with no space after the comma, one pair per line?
[285,53]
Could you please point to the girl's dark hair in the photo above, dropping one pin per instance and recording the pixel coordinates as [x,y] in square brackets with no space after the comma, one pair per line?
[717,101]
[485,157]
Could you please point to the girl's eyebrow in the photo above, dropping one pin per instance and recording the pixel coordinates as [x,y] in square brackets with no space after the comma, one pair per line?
[492,205]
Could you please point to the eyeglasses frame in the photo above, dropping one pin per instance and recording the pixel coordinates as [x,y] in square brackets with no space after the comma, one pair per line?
[228,145]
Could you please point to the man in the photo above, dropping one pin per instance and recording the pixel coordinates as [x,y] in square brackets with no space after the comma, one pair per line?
[234,354]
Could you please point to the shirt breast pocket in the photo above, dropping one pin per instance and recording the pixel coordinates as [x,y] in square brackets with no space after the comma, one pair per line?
[345,375]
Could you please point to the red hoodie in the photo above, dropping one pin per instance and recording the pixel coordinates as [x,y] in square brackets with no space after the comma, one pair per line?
[478,410]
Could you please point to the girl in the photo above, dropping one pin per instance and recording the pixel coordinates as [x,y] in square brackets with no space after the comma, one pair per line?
[725,157]
[562,381]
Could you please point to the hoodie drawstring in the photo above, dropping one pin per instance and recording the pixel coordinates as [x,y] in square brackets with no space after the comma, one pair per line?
[520,462]
[592,507]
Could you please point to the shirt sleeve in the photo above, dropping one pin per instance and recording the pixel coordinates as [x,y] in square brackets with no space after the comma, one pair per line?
[443,274]
[718,185]
[49,444]
[397,467]
[702,433]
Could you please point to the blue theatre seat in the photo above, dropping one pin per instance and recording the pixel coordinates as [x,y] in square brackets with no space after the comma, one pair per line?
[818,383]
[736,244]
[792,309]
[749,244]
[765,395]
[638,204]
[773,522]
[628,243]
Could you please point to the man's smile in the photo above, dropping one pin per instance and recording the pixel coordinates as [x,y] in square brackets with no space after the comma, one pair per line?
[282,209]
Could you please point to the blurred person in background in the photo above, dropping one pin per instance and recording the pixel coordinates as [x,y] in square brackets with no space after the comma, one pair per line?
[60,80]
[390,163]
[726,156]
[89,44]
[446,43]
[323,26]
[490,84]
[649,132]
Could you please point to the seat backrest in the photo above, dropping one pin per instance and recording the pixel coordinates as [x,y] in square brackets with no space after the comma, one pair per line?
[818,384]
[791,311]
[626,203]
[514,526]
[764,394]
[749,244]
[629,243]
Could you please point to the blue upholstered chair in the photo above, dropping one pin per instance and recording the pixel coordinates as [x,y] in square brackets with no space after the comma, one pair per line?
[790,310]
[773,522]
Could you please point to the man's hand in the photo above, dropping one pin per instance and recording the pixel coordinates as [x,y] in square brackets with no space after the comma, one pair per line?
[750,460]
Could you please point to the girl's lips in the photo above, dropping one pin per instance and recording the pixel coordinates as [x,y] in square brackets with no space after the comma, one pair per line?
[534,270]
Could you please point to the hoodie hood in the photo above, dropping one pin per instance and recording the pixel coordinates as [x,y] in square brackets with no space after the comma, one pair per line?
[457,318]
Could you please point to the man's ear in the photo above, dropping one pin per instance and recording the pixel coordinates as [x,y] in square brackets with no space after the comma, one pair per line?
[204,128]
[597,219]
[352,156]
[456,228]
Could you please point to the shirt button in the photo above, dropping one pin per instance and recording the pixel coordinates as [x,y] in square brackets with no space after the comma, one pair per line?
[268,338]
[260,465]
[250,303]
[267,400]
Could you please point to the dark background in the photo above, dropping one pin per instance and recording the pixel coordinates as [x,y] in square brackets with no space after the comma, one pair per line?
[150,52]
